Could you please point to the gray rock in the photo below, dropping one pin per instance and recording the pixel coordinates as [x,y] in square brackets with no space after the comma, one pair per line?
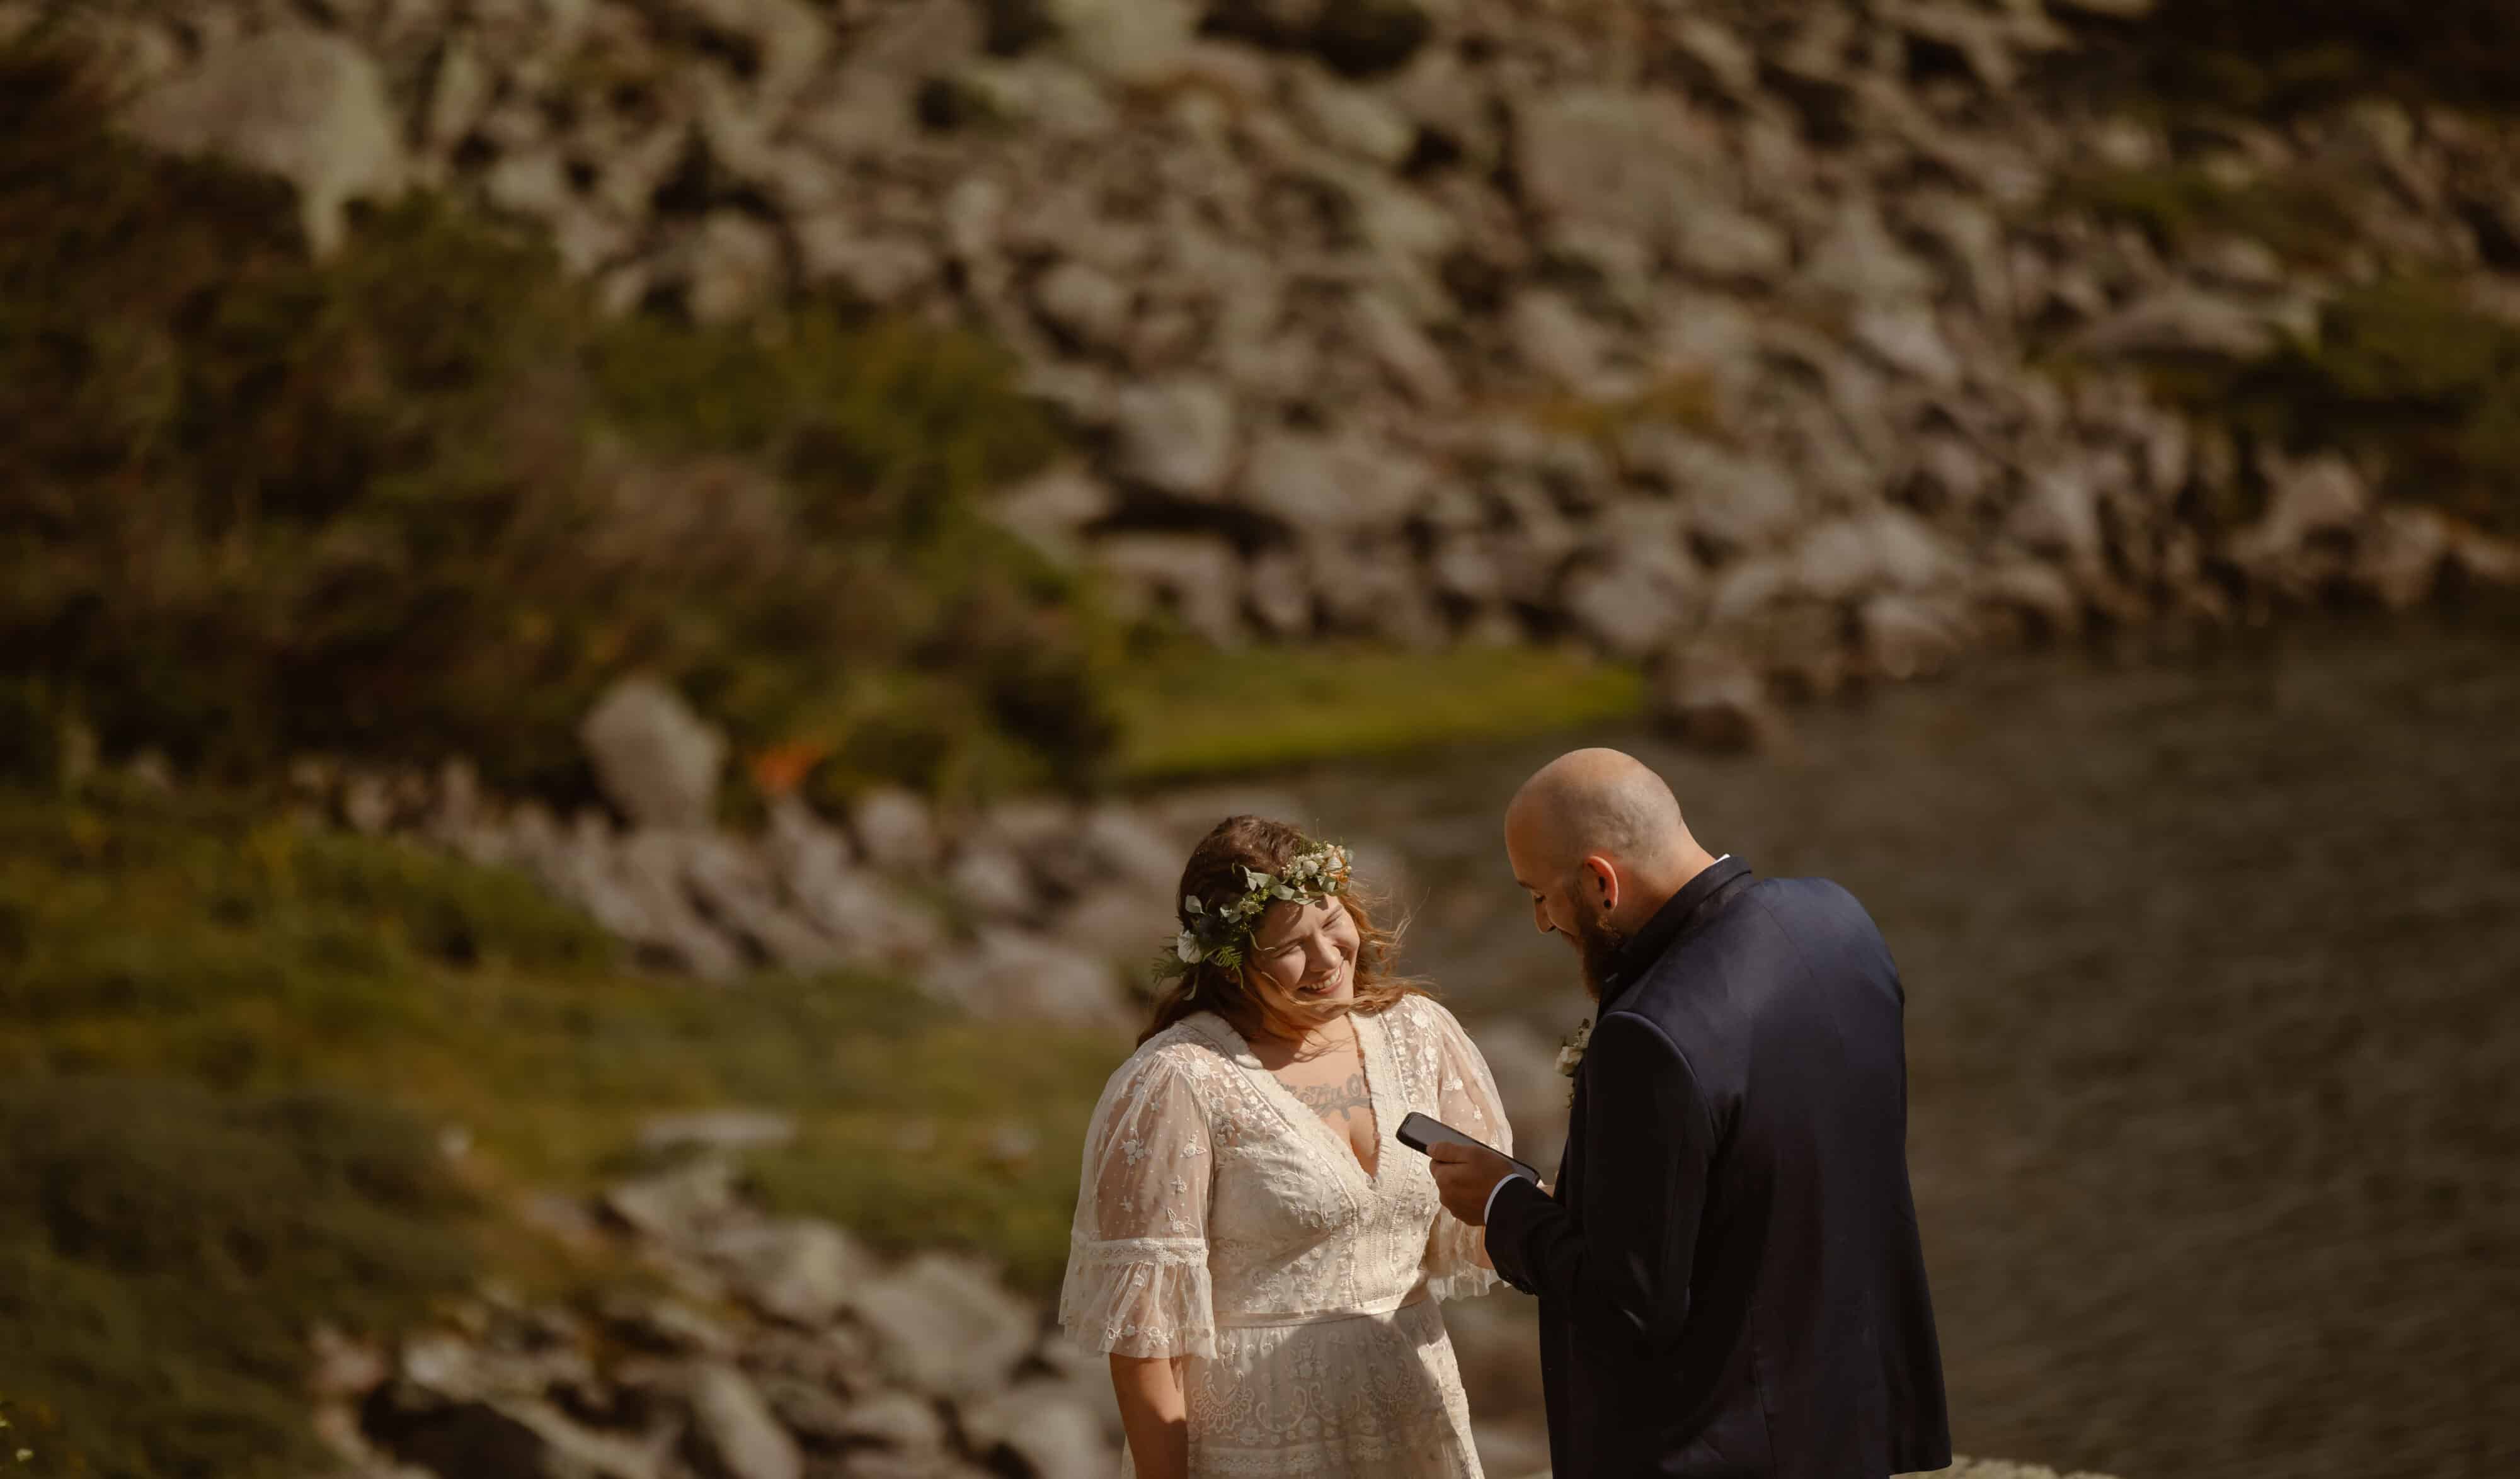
[716,1130]
[677,1206]
[797,1269]
[1048,1431]
[1555,339]
[1639,165]
[307,105]
[1050,512]
[1124,41]
[993,881]
[1125,926]
[789,38]
[2180,321]
[734,265]
[1008,976]
[1405,353]
[2036,592]
[944,1326]
[2304,499]
[1627,607]
[894,1421]
[734,1433]
[1125,846]
[737,889]
[1732,500]
[657,760]
[1193,576]
[1906,638]
[1176,435]
[2401,555]
[651,870]
[896,831]
[1086,302]
[1709,694]
[879,268]
[1325,484]
[1353,121]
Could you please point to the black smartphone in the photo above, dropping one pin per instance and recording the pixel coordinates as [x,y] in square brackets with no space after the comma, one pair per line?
[1419,1131]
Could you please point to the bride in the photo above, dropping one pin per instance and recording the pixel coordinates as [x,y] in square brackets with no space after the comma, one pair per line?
[1256,1253]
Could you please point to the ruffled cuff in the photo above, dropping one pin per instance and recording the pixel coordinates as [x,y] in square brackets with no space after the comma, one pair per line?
[1452,1266]
[1139,1297]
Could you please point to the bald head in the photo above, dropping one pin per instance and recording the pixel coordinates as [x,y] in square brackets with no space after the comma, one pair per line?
[1597,828]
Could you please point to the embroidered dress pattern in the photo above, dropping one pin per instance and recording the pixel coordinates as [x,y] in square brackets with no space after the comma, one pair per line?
[1219,1220]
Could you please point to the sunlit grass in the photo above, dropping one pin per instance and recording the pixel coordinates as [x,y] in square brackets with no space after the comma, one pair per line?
[232,1051]
[1193,713]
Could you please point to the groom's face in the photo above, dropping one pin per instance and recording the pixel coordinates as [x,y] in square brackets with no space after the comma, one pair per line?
[1559,900]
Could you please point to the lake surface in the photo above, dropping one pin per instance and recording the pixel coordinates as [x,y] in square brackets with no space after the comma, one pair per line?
[2214,1029]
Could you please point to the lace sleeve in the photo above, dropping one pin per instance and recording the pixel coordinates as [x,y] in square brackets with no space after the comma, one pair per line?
[1136,1263]
[1467,1096]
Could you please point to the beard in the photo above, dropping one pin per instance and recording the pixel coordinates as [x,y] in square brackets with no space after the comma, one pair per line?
[1597,946]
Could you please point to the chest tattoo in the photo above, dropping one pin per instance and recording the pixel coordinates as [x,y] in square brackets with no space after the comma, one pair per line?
[1341,1099]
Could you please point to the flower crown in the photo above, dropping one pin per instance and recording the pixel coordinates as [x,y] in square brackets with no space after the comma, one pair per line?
[1218,935]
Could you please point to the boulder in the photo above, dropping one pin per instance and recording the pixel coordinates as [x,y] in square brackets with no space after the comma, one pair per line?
[1193,576]
[1325,484]
[716,1130]
[734,1433]
[1010,975]
[1177,436]
[311,107]
[656,759]
[895,831]
[1045,1429]
[1712,695]
[797,1269]
[944,1326]
[676,1207]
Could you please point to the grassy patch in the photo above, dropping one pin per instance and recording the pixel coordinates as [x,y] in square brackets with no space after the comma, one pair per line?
[1189,713]
[422,498]
[228,1048]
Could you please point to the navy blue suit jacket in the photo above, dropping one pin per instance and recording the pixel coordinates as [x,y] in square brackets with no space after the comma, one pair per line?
[1730,1275]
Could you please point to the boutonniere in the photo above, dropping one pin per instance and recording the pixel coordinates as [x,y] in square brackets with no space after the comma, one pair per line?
[1570,1056]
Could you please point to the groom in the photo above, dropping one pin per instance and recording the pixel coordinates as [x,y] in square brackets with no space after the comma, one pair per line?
[1729,1270]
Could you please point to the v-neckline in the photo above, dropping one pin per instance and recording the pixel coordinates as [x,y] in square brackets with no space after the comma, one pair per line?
[1338,1146]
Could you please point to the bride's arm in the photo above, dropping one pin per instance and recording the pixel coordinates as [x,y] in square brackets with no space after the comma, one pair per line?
[1153,1415]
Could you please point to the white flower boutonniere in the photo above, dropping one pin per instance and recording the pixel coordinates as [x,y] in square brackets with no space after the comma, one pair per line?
[1570,1056]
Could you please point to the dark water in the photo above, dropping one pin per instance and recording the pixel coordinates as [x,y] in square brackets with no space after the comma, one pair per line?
[2214,1029]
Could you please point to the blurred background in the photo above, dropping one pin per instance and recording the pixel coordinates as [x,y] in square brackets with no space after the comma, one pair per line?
[617,615]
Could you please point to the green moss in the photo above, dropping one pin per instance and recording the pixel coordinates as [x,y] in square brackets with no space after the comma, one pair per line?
[2404,366]
[1190,712]
[225,1044]
[2303,221]
[422,499]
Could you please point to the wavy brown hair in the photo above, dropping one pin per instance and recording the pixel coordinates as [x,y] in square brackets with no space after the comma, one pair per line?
[1214,877]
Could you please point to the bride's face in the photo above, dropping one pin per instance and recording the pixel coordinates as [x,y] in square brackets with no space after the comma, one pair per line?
[1302,964]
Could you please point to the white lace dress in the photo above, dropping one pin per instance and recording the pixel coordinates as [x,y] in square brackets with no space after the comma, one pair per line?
[1222,1221]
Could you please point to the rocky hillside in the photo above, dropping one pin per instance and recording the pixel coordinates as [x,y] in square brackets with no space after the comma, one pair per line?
[1776,344]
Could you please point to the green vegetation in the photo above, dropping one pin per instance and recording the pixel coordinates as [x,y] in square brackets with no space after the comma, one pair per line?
[2407,367]
[422,499]
[228,1048]
[1194,713]
[2178,208]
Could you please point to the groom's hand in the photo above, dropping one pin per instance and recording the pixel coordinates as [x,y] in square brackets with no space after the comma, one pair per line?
[1465,1175]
